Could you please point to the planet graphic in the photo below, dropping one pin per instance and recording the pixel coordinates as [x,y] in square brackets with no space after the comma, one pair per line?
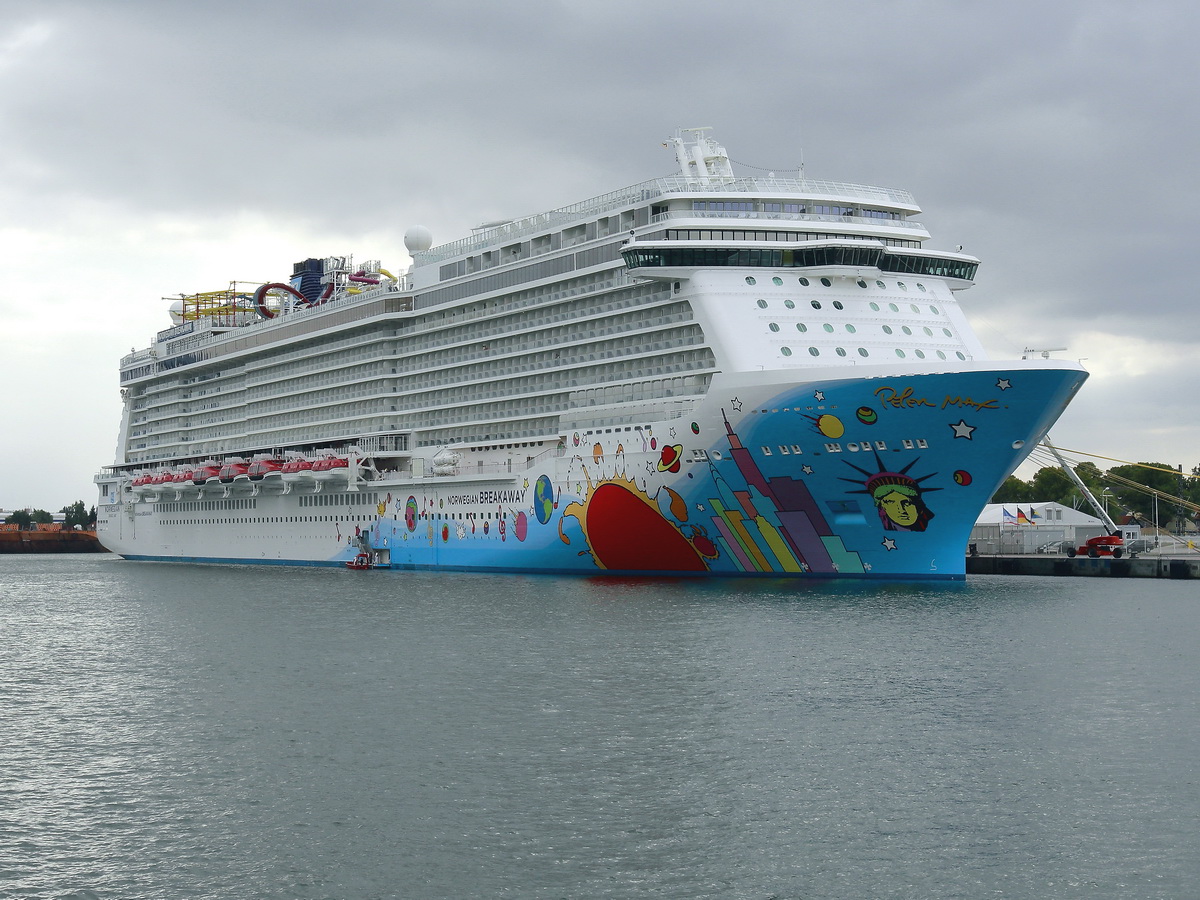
[695,428]
[962,477]
[543,499]
[866,415]
[830,426]
[668,460]
[410,514]
[521,526]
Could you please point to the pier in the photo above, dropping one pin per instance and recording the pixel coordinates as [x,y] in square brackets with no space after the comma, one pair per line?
[1147,566]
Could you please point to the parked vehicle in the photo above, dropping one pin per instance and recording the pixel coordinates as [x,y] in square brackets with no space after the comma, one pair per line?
[1055,547]
[1106,545]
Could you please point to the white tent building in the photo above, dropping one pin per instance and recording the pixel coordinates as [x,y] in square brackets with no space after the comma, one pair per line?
[1025,527]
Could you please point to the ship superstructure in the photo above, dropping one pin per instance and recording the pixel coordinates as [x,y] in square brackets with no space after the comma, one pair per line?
[704,373]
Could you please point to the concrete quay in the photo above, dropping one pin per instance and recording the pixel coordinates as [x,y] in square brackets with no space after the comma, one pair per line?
[1148,566]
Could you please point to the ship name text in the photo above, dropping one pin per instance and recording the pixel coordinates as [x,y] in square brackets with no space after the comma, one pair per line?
[487,498]
[907,399]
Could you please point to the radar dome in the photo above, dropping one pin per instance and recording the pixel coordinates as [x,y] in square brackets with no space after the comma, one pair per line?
[176,312]
[418,239]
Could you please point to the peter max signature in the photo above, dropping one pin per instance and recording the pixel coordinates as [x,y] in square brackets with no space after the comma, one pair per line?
[906,399]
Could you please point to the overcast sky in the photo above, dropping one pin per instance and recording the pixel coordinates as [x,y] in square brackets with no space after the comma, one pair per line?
[151,148]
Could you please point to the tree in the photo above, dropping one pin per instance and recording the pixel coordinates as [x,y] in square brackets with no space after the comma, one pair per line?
[1014,490]
[76,514]
[20,518]
[1153,476]
[1052,484]
[41,517]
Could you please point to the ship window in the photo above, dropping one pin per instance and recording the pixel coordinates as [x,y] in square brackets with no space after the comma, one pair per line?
[880,284]
[826,282]
[887,329]
[837,304]
[901,285]
[774,326]
[900,353]
[804,281]
[893,307]
[790,304]
[941,355]
[816,304]
[915,308]
[906,329]
[777,281]
[841,351]
[928,330]
[796,448]
[801,327]
[920,354]
[766,451]
[786,351]
[783,449]
[762,304]
[851,329]
[922,444]
[874,306]
[828,327]
[959,354]
[861,283]
[947,332]
[813,351]
[750,280]
[934,310]
[862,351]
[920,287]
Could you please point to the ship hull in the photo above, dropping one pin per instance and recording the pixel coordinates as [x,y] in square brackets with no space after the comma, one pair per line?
[878,475]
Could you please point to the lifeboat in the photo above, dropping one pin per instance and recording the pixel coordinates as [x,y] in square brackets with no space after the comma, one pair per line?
[142,483]
[232,469]
[332,468]
[201,475]
[261,468]
[296,469]
[182,480]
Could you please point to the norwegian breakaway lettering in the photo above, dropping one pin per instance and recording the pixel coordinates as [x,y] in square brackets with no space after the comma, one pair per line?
[513,495]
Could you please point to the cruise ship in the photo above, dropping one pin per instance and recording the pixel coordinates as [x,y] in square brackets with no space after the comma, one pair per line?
[704,374]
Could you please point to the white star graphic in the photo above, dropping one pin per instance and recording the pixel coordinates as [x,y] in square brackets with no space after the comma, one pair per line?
[1004,384]
[807,470]
[962,429]
[819,396]
[736,404]
[888,544]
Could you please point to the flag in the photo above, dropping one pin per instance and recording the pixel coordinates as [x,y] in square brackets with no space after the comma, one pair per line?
[1008,517]
[1022,519]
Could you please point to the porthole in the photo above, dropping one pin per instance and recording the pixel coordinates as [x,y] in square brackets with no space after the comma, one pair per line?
[851,329]
[862,351]
[837,304]
[928,331]
[778,282]
[786,351]
[1017,445]
[874,306]
[804,281]
[900,353]
[920,354]
[790,304]
[841,351]
[750,280]
[801,327]
[816,304]
[902,285]
[947,332]
[826,282]
[934,310]
[828,327]
[920,287]
[861,283]
[960,354]
[774,326]
[813,351]
[941,355]
[915,308]
[887,329]
[881,285]
[893,307]
[906,329]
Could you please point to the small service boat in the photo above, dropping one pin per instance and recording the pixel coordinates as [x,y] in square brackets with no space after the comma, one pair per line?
[361,561]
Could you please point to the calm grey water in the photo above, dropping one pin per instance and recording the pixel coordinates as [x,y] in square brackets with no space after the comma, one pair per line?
[186,731]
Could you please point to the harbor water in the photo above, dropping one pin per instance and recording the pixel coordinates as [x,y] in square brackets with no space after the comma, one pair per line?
[176,731]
